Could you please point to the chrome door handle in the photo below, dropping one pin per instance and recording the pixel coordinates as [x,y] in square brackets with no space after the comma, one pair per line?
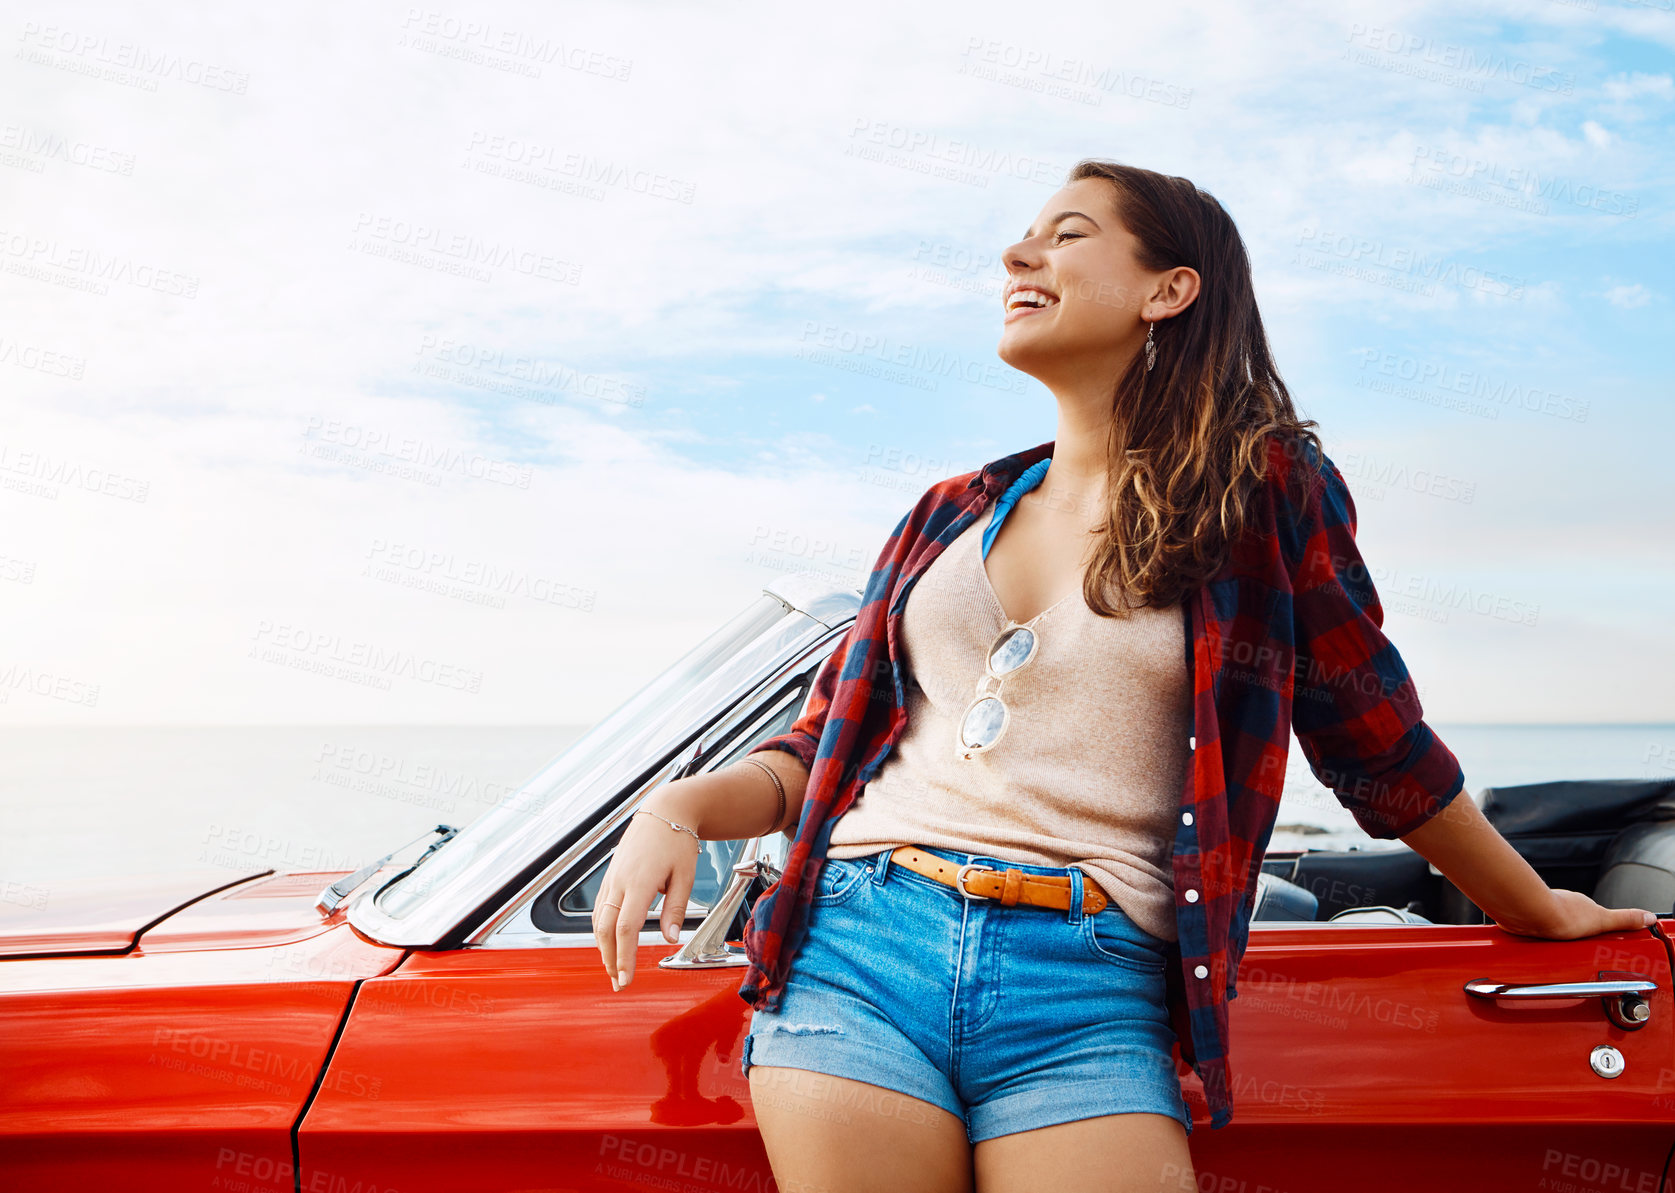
[1624,998]
[1484,988]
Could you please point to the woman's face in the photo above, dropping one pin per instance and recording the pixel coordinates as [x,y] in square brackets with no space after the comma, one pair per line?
[1100,295]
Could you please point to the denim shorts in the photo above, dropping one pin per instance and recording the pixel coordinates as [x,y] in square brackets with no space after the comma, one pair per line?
[1012,1018]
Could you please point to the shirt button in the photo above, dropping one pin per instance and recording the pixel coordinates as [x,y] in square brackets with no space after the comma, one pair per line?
[1192,897]
[1192,742]
[1186,817]
[1200,972]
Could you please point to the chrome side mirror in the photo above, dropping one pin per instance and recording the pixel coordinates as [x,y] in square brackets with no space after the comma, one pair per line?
[708,947]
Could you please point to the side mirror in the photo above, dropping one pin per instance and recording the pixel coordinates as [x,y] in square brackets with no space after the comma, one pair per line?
[708,948]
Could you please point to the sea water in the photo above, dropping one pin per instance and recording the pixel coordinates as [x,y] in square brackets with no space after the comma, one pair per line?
[84,802]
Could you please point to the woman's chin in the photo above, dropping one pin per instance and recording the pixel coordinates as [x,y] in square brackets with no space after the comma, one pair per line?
[1023,354]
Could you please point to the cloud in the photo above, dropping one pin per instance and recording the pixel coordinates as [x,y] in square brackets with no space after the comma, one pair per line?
[1633,86]
[1629,296]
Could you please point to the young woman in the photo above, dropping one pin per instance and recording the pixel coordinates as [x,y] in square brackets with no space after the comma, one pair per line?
[1028,788]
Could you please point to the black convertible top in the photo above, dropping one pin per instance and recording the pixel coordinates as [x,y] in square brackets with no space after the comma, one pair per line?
[1578,805]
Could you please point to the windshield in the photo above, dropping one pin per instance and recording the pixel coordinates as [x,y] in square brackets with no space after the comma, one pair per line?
[663,701]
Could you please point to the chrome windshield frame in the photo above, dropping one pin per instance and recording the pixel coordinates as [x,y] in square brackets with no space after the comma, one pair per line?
[512,926]
[476,893]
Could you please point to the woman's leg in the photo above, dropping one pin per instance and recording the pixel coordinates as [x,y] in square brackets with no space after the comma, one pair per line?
[827,1134]
[1111,1153]
[1072,1082]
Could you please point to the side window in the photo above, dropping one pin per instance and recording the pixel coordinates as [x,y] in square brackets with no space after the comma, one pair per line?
[567,905]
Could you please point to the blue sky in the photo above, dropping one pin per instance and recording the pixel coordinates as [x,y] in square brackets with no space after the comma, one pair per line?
[297,430]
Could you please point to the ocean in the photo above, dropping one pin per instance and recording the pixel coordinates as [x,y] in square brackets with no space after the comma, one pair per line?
[88,802]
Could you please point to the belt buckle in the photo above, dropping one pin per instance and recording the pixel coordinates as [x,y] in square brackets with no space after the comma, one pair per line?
[959,879]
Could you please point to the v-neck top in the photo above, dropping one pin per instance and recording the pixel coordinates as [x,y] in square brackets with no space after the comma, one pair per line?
[1090,768]
[1003,506]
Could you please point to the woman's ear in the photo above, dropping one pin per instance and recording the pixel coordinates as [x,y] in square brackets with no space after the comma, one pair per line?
[1176,291]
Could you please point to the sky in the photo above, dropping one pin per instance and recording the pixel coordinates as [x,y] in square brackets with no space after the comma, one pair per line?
[391,364]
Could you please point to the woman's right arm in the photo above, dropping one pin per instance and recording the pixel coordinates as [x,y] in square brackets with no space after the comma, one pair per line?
[731,804]
[726,805]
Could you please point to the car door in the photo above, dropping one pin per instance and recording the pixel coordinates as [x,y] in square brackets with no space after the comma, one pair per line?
[1361,1061]
[514,1065]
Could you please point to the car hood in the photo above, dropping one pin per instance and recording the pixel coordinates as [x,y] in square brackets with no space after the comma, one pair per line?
[100,915]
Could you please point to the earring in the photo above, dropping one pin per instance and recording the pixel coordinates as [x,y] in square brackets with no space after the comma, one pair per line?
[1151,347]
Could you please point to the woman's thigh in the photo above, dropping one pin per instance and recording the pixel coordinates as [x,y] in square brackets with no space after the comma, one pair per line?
[826,1134]
[1112,1153]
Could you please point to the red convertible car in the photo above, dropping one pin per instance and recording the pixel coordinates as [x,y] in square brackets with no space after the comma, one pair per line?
[445,1023]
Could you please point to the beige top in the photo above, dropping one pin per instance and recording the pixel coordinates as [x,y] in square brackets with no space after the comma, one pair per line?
[1090,770]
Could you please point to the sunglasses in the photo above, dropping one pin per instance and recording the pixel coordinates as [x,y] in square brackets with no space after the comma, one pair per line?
[985,719]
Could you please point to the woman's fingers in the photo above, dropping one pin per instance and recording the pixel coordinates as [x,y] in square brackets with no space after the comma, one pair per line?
[1637,917]
[636,875]
[630,920]
[1583,916]
[1618,919]
[604,927]
[679,893]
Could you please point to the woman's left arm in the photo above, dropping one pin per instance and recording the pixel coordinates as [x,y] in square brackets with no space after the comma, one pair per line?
[1358,718]
[1461,843]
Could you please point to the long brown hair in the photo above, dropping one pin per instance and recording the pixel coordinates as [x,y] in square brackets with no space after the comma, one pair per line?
[1188,441]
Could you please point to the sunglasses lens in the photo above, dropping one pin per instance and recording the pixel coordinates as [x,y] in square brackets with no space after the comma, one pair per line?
[982,723]
[1013,651]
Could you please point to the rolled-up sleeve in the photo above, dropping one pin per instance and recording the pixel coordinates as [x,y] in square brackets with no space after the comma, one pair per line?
[1355,710]
[803,738]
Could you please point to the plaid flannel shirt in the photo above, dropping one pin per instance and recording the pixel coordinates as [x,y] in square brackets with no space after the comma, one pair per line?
[1286,637]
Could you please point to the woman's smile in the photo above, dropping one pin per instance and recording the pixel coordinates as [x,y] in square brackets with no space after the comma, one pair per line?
[1023,299]
[1018,312]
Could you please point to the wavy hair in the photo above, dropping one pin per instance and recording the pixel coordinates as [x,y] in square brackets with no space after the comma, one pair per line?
[1188,441]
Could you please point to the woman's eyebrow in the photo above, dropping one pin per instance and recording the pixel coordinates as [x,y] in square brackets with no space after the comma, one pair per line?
[1060,217]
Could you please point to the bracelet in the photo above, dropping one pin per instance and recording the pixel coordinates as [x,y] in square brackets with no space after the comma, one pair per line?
[672,824]
[778,786]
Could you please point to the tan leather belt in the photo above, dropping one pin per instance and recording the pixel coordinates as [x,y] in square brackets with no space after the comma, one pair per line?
[1011,886]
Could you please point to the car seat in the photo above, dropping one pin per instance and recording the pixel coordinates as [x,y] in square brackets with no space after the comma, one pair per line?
[1639,868]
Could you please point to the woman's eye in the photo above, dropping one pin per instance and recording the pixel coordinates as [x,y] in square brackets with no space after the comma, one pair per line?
[1062,235]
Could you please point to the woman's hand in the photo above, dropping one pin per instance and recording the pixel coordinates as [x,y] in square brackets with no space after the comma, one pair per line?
[730,804]
[1468,850]
[650,859]
[1573,915]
